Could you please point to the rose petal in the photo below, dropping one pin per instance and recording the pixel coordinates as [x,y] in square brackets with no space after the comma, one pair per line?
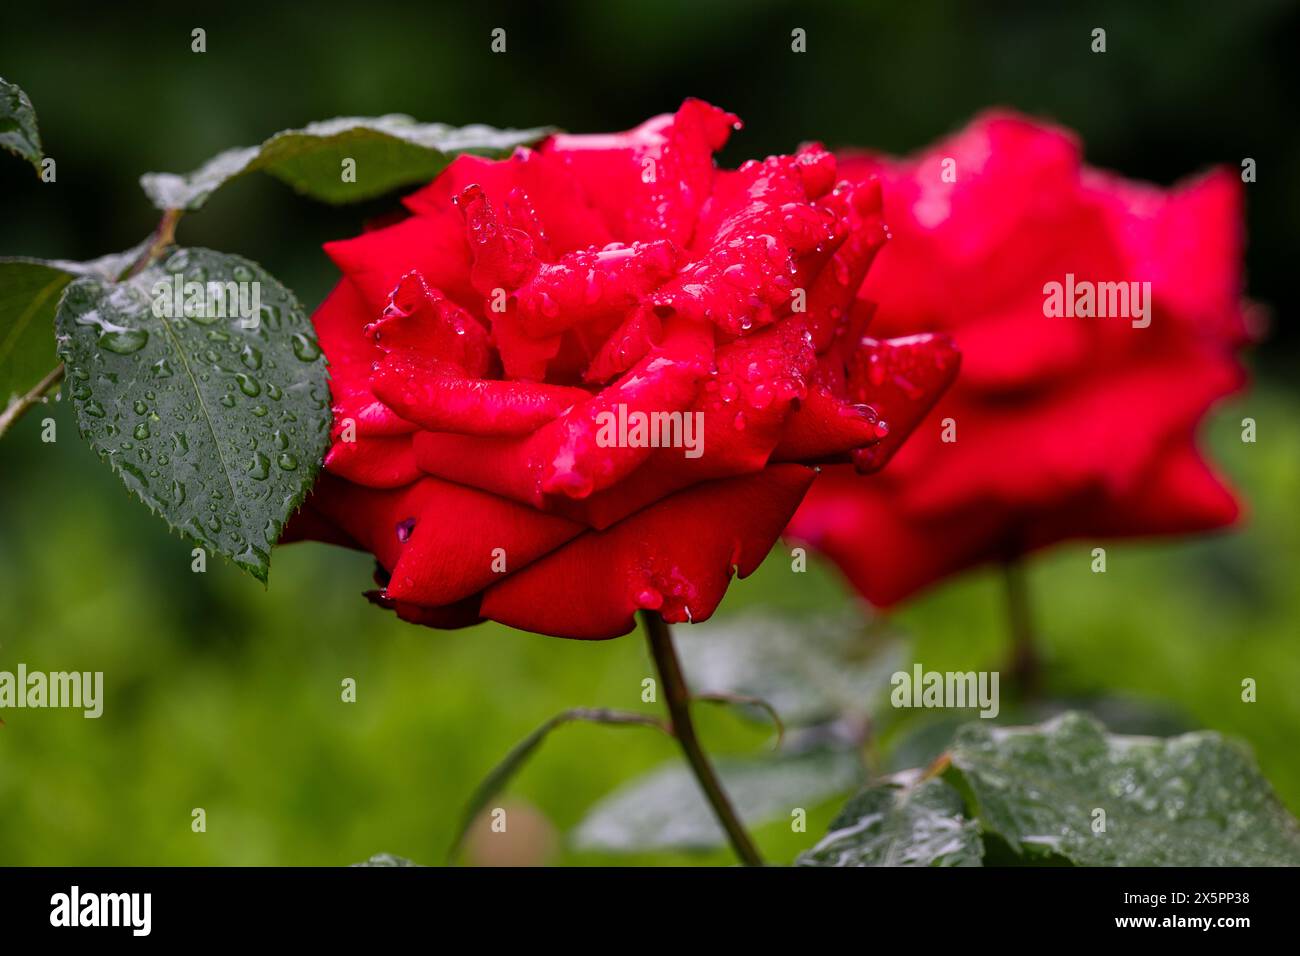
[649,182]
[440,397]
[676,558]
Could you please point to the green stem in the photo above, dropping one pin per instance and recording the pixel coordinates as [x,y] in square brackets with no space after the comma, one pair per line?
[164,235]
[19,405]
[679,711]
[1025,664]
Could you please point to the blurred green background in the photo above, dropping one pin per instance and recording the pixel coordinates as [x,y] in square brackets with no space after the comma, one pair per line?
[225,696]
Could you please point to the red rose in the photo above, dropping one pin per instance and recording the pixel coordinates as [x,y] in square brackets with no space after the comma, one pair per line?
[1064,426]
[498,355]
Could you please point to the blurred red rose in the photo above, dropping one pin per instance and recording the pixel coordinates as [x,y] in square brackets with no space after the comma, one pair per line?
[1064,426]
[496,358]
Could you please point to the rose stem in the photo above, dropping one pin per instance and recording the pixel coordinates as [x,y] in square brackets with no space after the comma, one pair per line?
[1025,664]
[679,712]
[20,405]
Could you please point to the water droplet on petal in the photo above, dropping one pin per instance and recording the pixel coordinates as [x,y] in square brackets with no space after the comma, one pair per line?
[650,599]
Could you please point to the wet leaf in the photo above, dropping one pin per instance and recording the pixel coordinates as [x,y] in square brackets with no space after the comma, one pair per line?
[216,420]
[1191,800]
[1066,792]
[18,132]
[665,809]
[929,733]
[900,823]
[389,151]
[387,859]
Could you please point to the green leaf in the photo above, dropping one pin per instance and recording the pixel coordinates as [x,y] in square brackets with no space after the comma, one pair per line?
[1192,800]
[18,132]
[389,151]
[929,733]
[219,429]
[808,670]
[664,809]
[514,761]
[896,823]
[29,296]
[1034,795]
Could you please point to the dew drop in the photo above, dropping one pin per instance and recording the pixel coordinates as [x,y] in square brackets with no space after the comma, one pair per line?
[133,471]
[123,341]
[650,599]
[305,348]
[248,385]
[261,467]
